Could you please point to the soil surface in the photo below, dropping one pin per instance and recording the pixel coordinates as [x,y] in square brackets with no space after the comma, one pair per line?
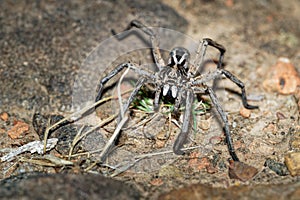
[48,53]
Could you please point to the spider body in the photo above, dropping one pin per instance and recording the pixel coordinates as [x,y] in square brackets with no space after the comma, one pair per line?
[175,80]
[174,77]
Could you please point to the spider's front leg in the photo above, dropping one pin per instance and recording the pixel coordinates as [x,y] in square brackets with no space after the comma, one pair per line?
[201,51]
[229,142]
[187,117]
[213,75]
[241,85]
[118,69]
[138,86]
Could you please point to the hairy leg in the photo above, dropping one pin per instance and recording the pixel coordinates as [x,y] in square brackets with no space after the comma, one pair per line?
[154,41]
[138,86]
[187,117]
[241,85]
[118,69]
[215,74]
[216,103]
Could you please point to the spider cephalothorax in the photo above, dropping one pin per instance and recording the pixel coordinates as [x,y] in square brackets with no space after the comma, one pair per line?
[176,81]
[179,58]
[175,75]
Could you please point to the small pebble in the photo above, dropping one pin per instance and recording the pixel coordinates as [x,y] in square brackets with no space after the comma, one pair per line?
[295,141]
[204,124]
[245,112]
[18,129]
[215,140]
[169,171]
[157,182]
[292,161]
[4,116]
[277,167]
[280,115]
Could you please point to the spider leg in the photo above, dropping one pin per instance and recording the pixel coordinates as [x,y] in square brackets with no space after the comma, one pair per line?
[138,86]
[154,41]
[230,76]
[187,117]
[229,142]
[156,99]
[200,54]
[218,46]
[178,100]
[242,86]
[201,51]
[118,69]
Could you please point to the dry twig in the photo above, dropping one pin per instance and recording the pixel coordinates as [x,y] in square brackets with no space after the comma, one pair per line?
[35,146]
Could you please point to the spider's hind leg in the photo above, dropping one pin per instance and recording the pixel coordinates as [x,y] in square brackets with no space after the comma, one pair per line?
[154,41]
[107,78]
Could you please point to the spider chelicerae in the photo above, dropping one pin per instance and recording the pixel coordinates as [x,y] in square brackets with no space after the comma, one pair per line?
[176,80]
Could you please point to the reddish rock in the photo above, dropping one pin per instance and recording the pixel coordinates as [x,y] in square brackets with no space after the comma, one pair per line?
[245,112]
[4,116]
[18,129]
[157,182]
[283,78]
[241,171]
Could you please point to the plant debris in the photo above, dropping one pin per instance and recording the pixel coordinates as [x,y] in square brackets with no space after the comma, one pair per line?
[47,160]
[32,147]
[241,171]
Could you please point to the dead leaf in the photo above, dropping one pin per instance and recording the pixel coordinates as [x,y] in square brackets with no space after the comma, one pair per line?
[241,171]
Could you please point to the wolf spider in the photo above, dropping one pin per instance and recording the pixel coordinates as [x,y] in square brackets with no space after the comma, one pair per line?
[176,80]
